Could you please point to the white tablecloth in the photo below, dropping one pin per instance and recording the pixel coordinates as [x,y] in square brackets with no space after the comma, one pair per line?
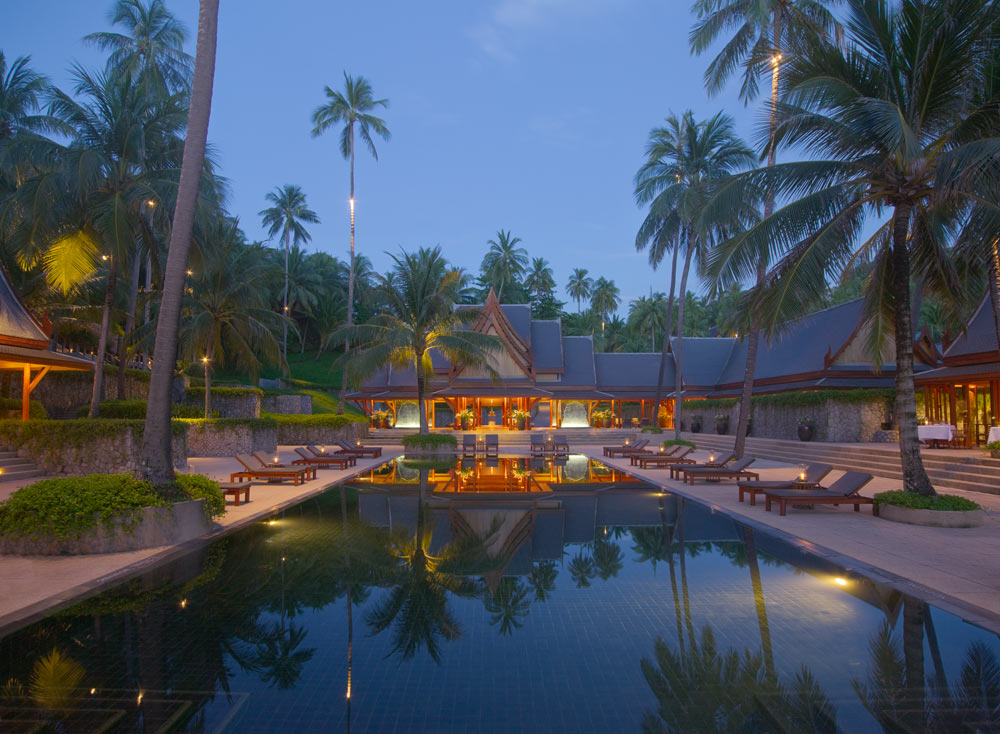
[994,435]
[935,433]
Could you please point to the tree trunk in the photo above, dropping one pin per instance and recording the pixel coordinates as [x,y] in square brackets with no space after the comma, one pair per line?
[133,297]
[913,662]
[208,384]
[995,288]
[753,345]
[350,292]
[915,477]
[284,304]
[678,378]
[97,394]
[421,386]
[758,599]
[667,328]
[157,462]
[149,287]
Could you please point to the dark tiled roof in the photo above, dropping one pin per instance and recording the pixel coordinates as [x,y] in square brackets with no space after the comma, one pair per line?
[623,369]
[519,315]
[968,370]
[980,334]
[14,317]
[703,358]
[546,342]
[55,360]
[580,371]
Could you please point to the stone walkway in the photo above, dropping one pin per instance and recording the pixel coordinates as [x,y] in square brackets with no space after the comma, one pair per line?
[35,586]
[957,569]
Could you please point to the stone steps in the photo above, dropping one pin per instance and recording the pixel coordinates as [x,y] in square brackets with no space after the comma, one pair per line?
[13,467]
[967,473]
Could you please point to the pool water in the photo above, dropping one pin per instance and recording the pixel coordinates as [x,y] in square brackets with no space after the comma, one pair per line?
[394,604]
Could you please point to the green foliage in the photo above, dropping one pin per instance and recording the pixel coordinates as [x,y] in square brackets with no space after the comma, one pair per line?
[430,441]
[438,465]
[993,446]
[325,420]
[200,487]
[35,409]
[198,393]
[678,442]
[48,437]
[221,424]
[651,429]
[799,399]
[913,501]
[136,410]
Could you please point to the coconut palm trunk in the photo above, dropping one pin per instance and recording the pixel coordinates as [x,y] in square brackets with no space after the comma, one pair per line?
[421,389]
[668,324]
[133,299]
[915,477]
[350,293]
[678,351]
[284,302]
[157,463]
[97,394]
[750,543]
[995,287]
[753,344]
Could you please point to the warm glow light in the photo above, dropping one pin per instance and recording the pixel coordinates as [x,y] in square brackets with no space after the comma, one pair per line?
[104,257]
[276,459]
[150,202]
[138,701]
[184,603]
[711,457]
[272,522]
[93,691]
[190,272]
[205,360]
[840,581]
[776,59]
[282,559]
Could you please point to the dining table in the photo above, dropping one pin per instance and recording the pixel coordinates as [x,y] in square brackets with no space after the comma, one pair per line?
[935,434]
[994,434]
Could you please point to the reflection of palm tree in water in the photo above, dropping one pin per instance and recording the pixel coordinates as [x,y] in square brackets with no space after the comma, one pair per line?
[507,605]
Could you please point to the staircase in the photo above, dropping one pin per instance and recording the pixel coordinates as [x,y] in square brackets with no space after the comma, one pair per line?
[521,440]
[961,471]
[14,468]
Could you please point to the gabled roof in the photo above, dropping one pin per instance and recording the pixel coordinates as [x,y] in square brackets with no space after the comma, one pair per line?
[493,318]
[580,369]
[978,340]
[703,359]
[547,344]
[623,370]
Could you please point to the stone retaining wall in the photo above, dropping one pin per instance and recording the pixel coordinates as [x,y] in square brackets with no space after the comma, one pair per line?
[291,434]
[99,454]
[244,405]
[224,438]
[287,404]
[63,392]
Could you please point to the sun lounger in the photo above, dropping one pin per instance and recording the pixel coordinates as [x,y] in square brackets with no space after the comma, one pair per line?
[469,444]
[538,445]
[813,474]
[560,444]
[314,452]
[661,460]
[492,444]
[341,462]
[842,492]
[629,442]
[734,470]
[235,489]
[639,447]
[370,451]
[263,461]
[251,470]
[681,464]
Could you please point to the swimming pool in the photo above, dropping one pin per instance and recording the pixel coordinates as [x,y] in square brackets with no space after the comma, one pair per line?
[396,604]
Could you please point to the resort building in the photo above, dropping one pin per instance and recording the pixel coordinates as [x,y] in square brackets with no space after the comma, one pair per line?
[559,381]
[964,391]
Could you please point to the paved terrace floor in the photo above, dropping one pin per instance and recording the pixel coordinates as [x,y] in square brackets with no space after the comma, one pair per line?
[958,569]
[34,586]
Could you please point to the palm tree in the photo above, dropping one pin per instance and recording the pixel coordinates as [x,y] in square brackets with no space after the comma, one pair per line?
[352,107]
[151,49]
[648,314]
[765,33]
[508,605]
[887,121]
[21,92]
[286,215]
[605,299]
[504,262]
[157,462]
[580,286]
[539,281]
[419,316]
[686,162]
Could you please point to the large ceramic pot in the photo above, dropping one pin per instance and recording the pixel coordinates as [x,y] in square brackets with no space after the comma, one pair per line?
[598,423]
[806,432]
[522,423]
[466,423]
[722,427]
[696,425]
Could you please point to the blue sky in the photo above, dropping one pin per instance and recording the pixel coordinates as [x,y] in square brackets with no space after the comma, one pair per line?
[530,115]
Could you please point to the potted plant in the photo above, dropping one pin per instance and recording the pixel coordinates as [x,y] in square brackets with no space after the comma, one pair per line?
[942,511]
[465,419]
[601,418]
[380,419]
[807,429]
[520,418]
[994,448]
[722,424]
[696,424]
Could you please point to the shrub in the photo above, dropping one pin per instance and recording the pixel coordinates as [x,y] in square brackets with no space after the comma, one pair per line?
[993,446]
[430,441]
[326,420]
[48,437]
[438,465]
[800,398]
[136,410]
[35,409]
[651,429]
[66,507]
[913,501]
[678,442]
[198,393]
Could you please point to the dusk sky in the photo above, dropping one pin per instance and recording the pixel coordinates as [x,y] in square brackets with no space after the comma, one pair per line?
[528,115]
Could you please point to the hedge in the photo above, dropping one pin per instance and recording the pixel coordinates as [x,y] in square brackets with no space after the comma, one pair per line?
[678,442]
[913,501]
[110,370]
[48,434]
[66,507]
[223,423]
[430,441]
[797,399]
[198,393]
[36,410]
[326,420]
[136,410]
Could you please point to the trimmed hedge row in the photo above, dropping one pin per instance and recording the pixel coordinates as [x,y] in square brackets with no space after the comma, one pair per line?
[797,399]
[198,393]
[136,410]
[36,411]
[913,501]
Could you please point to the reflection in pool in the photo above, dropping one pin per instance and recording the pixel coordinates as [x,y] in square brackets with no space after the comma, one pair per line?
[384,606]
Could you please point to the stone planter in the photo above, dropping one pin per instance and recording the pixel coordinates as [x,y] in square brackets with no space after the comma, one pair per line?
[806,431]
[932,518]
[157,526]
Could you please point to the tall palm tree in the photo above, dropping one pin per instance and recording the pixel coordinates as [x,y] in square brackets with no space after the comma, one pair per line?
[648,314]
[887,122]
[686,162]
[21,93]
[765,34]
[504,262]
[419,317]
[604,299]
[157,462]
[353,107]
[287,214]
[151,49]
[580,286]
[539,281]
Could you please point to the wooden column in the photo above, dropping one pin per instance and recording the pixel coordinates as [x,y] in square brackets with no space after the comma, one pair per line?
[26,393]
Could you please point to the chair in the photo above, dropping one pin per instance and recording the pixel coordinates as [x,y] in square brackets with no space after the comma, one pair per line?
[372,451]
[814,473]
[664,460]
[469,444]
[628,444]
[492,444]
[681,464]
[538,447]
[735,470]
[842,492]
[560,444]
[341,462]
[251,470]
[665,452]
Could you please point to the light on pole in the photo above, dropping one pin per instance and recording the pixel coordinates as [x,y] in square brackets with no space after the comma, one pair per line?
[205,360]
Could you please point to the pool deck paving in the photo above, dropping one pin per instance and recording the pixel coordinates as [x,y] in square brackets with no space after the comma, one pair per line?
[35,586]
[957,569]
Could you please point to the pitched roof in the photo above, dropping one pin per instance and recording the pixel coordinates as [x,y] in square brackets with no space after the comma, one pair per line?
[631,369]
[547,344]
[580,369]
[979,336]
[703,359]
